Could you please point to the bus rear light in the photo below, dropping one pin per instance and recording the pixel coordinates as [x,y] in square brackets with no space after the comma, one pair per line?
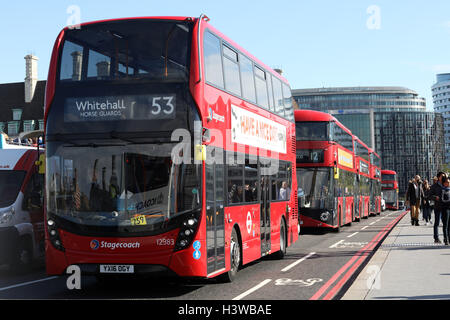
[54,235]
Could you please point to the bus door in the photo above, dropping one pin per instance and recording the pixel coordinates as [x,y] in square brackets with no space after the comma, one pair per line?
[265,214]
[215,219]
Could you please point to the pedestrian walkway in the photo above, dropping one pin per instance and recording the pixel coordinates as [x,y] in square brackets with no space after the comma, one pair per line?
[407,265]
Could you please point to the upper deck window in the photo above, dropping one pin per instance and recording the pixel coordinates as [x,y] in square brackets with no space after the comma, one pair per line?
[213,60]
[123,50]
[311,131]
[388,177]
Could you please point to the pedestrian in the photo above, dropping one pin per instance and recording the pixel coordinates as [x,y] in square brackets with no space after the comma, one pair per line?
[445,211]
[426,202]
[440,210]
[414,195]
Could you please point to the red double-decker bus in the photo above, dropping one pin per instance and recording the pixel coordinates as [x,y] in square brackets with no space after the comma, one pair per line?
[389,188]
[362,163]
[325,170]
[169,148]
[375,183]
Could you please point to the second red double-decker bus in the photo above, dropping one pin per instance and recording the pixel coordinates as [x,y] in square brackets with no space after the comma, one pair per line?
[169,148]
[389,188]
[325,170]
[375,183]
[362,194]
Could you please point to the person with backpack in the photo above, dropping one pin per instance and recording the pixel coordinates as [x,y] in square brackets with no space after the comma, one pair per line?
[440,209]
[414,196]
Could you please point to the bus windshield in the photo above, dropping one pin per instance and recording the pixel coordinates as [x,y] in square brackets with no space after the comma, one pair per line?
[124,50]
[10,183]
[126,190]
[388,177]
[390,196]
[314,184]
[311,131]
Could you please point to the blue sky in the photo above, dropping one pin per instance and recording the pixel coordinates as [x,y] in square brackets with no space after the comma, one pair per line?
[317,43]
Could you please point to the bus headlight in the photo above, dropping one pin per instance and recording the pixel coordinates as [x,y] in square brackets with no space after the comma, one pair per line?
[324,216]
[186,233]
[6,216]
[54,234]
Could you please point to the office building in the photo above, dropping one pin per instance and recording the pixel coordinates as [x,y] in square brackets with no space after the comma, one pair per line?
[392,120]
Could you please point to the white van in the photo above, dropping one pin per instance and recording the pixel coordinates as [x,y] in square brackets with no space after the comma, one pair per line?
[21,204]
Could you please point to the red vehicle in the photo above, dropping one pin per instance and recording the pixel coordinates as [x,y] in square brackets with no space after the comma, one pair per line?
[389,188]
[325,170]
[362,193]
[375,184]
[170,148]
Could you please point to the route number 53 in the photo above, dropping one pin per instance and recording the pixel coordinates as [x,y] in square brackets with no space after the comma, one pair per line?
[162,104]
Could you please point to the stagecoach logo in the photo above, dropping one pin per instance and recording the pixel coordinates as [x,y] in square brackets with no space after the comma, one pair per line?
[95,244]
[213,115]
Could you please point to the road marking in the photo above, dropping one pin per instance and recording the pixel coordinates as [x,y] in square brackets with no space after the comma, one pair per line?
[336,244]
[289,267]
[359,257]
[372,223]
[27,283]
[364,228]
[246,293]
[353,234]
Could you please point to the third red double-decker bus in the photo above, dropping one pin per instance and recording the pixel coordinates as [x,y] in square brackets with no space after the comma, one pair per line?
[363,179]
[375,183]
[169,148]
[389,187]
[325,170]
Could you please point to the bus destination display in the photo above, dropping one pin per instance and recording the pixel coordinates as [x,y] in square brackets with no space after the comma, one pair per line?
[114,108]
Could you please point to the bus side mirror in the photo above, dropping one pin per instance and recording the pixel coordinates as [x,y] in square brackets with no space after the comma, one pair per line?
[336,173]
[41,163]
[200,152]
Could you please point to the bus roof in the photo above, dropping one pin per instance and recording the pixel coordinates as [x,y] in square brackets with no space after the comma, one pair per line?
[312,116]
[209,26]
[388,172]
[133,18]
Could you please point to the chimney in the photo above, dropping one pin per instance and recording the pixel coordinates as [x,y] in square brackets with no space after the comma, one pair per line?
[103,70]
[77,57]
[31,77]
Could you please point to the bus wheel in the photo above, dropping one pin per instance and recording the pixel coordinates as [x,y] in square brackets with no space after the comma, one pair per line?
[280,254]
[235,258]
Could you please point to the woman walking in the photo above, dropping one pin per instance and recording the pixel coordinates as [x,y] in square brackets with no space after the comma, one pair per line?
[426,205]
[414,196]
[440,209]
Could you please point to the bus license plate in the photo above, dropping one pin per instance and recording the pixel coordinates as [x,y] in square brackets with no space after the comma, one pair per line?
[115,268]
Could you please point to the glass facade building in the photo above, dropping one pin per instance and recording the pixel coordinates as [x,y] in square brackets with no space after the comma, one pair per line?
[392,120]
[441,100]
[410,143]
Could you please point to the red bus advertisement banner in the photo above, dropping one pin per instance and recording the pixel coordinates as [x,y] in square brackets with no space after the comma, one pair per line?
[345,158]
[257,131]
